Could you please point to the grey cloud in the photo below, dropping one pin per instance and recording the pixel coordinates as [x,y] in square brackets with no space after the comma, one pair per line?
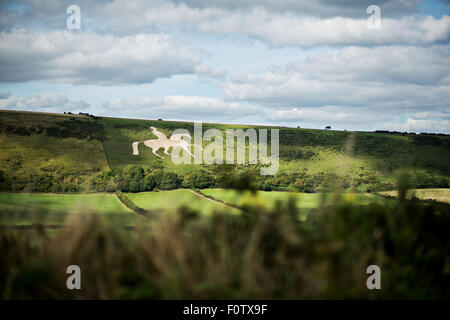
[52,12]
[90,58]
[280,30]
[343,117]
[328,114]
[321,8]
[300,23]
[4,94]
[179,107]
[396,79]
[414,125]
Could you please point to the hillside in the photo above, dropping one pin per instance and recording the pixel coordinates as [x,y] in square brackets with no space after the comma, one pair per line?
[70,153]
[48,152]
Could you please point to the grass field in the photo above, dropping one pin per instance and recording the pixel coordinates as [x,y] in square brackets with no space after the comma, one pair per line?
[173,199]
[269,199]
[24,209]
[24,155]
[441,195]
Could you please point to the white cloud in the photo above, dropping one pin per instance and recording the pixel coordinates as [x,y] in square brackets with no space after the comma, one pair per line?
[367,78]
[380,78]
[179,107]
[302,23]
[414,125]
[327,114]
[351,118]
[168,107]
[292,30]
[122,15]
[45,102]
[393,64]
[90,58]
[318,8]
[338,117]
[432,115]
[425,115]
[288,28]
[4,94]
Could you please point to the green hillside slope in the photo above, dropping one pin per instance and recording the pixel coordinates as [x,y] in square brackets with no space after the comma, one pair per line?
[48,152]
[60,153]
[310,159]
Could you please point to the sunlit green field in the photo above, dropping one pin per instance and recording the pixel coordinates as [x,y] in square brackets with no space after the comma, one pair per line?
[52,209]
[269,199]
[171,200]
[22,208]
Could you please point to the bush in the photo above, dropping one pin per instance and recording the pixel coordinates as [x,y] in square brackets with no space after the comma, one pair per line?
[4,181]
[170,181]
[111,187]
[199,180]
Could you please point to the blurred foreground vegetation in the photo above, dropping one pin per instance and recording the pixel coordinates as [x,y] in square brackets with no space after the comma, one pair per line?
[260,253]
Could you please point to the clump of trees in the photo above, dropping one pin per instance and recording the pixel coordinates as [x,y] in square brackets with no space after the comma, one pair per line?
[135,178]
[45,182]
[138,179]
[4,183]
[23,131]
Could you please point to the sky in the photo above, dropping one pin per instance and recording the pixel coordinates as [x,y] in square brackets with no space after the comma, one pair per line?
[275,62]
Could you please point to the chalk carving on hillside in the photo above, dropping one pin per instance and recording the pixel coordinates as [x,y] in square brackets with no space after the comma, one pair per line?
[175,140]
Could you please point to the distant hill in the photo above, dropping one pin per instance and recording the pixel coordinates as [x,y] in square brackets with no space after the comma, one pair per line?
[70,153]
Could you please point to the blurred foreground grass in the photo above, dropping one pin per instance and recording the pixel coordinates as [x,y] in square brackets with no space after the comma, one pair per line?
[263,253]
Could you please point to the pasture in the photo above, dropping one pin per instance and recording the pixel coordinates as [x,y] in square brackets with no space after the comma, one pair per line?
[438,194]
[270,199]
[52,209]
[174,199]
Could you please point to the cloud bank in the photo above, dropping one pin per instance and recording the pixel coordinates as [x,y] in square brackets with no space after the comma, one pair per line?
[90,58]
[342,73]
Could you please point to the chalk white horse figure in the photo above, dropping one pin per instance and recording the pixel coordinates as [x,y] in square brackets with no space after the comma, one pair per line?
[175,140]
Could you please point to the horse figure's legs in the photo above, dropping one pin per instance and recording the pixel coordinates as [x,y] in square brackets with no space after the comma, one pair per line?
[154,149]
[166,149]
[187,150]
[135,148]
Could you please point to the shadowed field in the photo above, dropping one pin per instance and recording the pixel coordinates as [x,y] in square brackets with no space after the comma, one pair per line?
[441,195]
[270,199]
[52,209]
